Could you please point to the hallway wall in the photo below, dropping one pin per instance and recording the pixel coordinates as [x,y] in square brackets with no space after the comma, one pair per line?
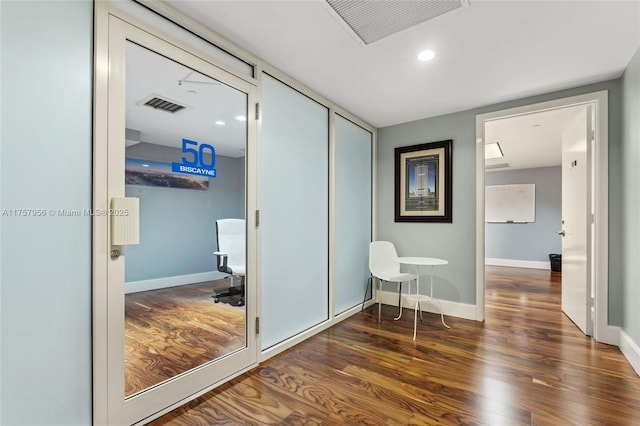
[631,201]
[46,259]
[456,241]
[528,241]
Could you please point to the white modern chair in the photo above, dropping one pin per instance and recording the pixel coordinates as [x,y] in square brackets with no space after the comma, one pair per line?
[231,255]
[384,265]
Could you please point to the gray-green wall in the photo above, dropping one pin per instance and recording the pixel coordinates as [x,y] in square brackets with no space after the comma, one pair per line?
[528,241]
[45,164]
[456,241]
[630,205]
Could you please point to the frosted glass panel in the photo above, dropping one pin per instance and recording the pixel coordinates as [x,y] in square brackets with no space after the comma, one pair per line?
[294,207]
[353,213]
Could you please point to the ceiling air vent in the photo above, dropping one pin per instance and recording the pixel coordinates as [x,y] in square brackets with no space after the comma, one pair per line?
[162,103]
[372,20]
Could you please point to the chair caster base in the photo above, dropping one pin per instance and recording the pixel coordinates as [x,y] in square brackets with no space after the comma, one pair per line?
[238,302]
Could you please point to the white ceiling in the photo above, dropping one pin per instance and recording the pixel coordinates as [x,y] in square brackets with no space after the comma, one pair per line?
[531,140]
[206,99]
[487,52]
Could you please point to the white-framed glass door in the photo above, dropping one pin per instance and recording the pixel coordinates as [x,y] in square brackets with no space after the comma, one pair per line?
[181,147]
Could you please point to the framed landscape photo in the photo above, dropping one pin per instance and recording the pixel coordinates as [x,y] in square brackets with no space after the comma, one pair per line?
[423,182]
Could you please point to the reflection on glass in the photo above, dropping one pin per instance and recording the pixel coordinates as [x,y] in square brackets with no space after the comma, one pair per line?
[185,161]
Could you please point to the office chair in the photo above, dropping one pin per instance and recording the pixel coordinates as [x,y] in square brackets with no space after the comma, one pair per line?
[231,256]
[384,266]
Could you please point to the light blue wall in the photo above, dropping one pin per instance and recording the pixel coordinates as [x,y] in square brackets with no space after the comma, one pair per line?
[631,197]
[456,241]
[177,226]
[528,241]
[46,164]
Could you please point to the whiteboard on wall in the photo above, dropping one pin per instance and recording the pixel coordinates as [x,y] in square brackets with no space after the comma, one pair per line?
[510,203]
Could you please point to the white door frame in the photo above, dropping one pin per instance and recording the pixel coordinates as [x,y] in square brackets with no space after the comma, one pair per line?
[602,332]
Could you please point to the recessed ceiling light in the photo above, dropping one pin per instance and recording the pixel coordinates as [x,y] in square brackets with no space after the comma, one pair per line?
[426,55]
[220,123]
[492,150]
[241,118]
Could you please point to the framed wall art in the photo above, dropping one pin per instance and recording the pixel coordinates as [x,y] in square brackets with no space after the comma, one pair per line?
[423,182]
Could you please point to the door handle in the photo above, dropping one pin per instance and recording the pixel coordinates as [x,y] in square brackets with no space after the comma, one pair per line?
[561,233]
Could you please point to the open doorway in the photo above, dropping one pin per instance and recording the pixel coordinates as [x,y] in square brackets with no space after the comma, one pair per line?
[527,207]
[551,115]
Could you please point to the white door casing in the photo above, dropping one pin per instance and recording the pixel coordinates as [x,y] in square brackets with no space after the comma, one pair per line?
[599,191]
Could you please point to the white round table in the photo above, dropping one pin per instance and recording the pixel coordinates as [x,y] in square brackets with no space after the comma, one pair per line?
[417,298]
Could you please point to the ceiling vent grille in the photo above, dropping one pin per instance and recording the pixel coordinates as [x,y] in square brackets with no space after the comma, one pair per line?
[372,20]
[162,103]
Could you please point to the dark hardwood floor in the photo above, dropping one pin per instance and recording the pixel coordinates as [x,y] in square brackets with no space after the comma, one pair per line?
[172,330]
[527,364]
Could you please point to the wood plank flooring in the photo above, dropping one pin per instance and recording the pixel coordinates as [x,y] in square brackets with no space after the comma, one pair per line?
[527,364]
[172,330]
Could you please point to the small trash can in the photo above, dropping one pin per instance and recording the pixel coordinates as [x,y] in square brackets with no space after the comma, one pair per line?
[556,262]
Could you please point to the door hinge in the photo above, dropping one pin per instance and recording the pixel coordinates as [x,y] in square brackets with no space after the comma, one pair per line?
[593,218]
[257,325]
[257,218]
[257,111]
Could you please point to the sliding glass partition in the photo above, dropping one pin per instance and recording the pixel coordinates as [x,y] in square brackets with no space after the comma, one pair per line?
[294,212]
[353,185]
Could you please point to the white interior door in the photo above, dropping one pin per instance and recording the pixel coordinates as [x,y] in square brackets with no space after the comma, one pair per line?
[575,211]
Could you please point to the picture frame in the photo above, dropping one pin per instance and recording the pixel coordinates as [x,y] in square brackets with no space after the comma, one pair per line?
[423,182]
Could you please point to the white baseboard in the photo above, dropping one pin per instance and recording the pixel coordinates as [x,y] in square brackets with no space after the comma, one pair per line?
[515,263]
[630,349]
[453,309]
[164,282]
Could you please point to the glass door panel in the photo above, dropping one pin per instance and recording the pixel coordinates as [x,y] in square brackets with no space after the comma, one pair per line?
[173,302]
[186,139]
